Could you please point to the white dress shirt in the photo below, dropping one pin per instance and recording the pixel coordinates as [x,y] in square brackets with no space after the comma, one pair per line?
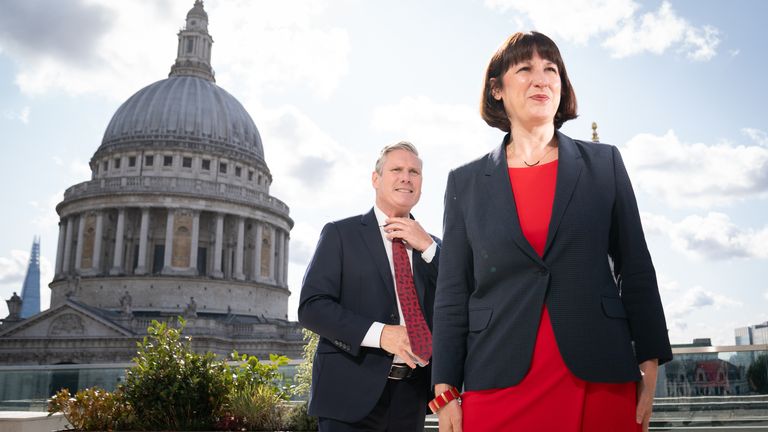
[373,336]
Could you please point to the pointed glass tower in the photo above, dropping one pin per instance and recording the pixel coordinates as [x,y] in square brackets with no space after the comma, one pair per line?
[30,292]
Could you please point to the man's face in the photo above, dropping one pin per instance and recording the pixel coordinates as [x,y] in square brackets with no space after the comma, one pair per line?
[398,187]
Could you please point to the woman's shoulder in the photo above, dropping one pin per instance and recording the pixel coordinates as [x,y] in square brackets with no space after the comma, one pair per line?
[475,166]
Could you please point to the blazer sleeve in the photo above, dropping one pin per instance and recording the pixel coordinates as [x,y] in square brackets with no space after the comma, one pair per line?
[454,283]
[320,307]
[635,273]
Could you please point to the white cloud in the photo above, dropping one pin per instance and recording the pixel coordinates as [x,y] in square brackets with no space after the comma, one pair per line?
[698,175]
[713,236]
[21,115]
[258,45]
[622,29]
[757,135]
[13,269]
[445,134]
[682,305]
[659,31]
[12,273]
[576,21]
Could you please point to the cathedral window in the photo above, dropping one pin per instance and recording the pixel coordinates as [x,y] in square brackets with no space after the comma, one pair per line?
[223,168]
[167,161]
[250,175]
[238,171]
[186,162]
[117,163]
[131,161]
[149,160]
[105,166]
[206,165]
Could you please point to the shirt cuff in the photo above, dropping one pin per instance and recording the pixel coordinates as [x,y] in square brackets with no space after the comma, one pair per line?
[373,337]
[429,252]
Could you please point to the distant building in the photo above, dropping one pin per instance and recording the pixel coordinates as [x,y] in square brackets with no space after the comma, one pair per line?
[30,291]
[177,220]
[752,335]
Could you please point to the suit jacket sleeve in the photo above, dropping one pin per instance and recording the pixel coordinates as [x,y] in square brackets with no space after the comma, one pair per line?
[634,271]
[454,283]
[320,306]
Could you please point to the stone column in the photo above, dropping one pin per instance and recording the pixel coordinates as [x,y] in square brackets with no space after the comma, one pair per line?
[195,241]
[278,256]
[256,276]
[168,242]
[97,240]
[272,249]
[217,273]
[60,247]
[79,248]
[239,249]
[117,262]
[286,238]
[141,267]
[68,245]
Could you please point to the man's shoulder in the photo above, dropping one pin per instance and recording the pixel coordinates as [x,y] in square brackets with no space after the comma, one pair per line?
[348,223]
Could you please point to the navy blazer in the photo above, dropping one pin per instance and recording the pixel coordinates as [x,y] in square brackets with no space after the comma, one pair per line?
[596,275]
[348,285]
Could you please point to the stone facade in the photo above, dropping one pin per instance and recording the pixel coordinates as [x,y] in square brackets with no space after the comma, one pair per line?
[177,220]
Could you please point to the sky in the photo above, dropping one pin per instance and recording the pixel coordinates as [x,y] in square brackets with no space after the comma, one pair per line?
[677,86]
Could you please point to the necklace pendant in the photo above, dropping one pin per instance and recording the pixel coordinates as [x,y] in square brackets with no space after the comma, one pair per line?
[533,164]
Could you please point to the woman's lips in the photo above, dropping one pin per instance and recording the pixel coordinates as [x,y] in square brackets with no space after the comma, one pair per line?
[540,98]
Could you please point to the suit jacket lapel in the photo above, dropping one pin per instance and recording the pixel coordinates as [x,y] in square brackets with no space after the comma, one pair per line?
[372,238]
[569,168]
[503,201]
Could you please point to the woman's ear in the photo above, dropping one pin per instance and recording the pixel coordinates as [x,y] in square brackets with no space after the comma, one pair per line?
[495,88]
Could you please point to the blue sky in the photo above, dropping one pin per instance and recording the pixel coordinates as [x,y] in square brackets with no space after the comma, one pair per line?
[676,85]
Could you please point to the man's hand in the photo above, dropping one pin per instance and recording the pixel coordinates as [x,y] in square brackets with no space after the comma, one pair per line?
[449,416]
[408,230]
[394,340]
[645,390]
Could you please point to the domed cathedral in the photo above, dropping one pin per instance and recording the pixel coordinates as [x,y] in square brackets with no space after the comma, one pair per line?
[177,220]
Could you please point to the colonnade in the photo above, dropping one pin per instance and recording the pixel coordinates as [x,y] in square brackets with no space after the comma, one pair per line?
[242,248]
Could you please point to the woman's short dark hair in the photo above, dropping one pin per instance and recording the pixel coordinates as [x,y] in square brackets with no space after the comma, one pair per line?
[517,48]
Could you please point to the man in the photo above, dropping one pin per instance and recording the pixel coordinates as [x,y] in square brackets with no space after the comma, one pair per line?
[368,292]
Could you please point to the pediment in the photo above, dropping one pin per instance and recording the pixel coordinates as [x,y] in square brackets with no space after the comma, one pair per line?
[64,322]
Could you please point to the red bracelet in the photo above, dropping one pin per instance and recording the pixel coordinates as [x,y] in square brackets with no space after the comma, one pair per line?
[443,398]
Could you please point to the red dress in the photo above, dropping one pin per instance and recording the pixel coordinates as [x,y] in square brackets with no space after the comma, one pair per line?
[550,398]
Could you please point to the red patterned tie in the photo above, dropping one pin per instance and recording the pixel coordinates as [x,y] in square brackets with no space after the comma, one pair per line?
[418,332]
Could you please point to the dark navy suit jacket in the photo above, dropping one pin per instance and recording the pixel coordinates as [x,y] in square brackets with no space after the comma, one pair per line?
[348,285]
[596,275]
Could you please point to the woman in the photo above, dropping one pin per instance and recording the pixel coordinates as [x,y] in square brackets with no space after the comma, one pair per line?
[547,311]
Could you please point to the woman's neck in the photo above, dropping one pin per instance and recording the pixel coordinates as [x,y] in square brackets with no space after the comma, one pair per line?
[529,143]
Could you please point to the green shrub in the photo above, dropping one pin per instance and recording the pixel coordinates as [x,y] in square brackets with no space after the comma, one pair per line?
[758,375]
[173,388]
[94,409]
[304,370]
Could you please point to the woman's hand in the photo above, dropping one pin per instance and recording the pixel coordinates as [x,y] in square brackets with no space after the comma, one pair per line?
[645,390]
[449,416]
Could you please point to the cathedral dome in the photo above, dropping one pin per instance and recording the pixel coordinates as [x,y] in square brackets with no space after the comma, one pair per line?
[184,109]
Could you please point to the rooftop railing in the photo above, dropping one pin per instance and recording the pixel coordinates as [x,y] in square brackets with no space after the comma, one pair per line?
[703,389]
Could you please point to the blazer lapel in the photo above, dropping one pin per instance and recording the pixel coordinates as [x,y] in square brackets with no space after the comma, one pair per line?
[569,168]
[372,239]
[503,202]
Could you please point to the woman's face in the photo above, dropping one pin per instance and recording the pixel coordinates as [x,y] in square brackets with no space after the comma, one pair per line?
[530,91]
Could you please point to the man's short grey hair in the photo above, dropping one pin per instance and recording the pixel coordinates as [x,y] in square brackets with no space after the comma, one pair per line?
[402,145]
